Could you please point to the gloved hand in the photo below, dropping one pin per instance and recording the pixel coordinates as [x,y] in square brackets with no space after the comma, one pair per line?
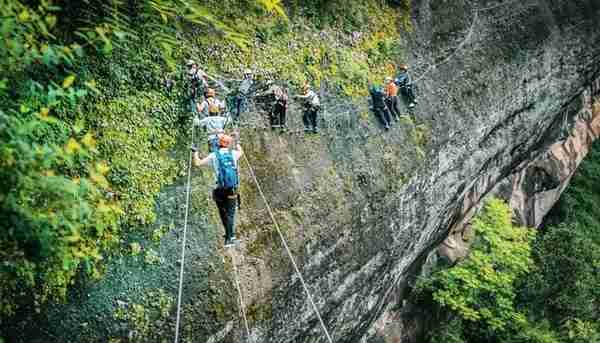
[194,148]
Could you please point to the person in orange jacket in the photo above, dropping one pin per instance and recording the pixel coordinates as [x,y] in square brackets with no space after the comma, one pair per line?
[391,97]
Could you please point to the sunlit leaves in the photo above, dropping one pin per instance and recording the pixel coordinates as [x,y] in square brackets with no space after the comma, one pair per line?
[68,81]
[482,288]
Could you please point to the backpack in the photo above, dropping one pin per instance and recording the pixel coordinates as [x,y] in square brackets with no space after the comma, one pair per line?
[227,177]
[213,106]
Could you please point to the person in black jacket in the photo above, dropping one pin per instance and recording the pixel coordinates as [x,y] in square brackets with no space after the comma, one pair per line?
[404,81]
[379,108]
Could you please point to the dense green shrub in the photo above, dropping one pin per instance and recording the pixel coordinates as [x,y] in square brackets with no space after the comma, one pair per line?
[558,300]
[136,136]
[55,216]
[481,289]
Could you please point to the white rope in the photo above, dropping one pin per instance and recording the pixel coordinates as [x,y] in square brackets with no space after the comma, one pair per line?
[239,289]
[467,36]
[287,249]
[456,51]
[185,223]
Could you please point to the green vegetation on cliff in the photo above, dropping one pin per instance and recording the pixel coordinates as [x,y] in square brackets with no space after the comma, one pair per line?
[89,136]
[554,297]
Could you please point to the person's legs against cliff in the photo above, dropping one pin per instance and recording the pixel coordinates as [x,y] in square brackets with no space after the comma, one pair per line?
[282,113]
[220,200]
[380,114]
[305,119]
[392,104]
[313,120]
[230,206]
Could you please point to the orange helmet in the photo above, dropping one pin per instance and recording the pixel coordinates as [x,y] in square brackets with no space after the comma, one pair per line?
[225,141]
[210,92]
[404,66]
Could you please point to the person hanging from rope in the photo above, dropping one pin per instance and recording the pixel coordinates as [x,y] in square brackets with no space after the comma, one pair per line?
[243,93]
[379,107]
[311,105]
[404,81]
[211,105]
[197,80]
[224,162]
[391,97]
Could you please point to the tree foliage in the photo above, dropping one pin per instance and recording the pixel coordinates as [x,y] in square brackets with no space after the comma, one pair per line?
[556,301]
[55,216]
[481,289]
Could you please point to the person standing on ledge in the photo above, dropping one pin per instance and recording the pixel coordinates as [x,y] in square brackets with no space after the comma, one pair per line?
[197,80]
[224,163]
[311,104]
[404,81]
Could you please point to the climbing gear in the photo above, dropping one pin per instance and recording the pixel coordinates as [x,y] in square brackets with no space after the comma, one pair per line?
[183,242]
[213,106]
[227,178]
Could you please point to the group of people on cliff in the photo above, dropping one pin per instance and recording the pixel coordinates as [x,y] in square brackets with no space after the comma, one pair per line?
[212,114]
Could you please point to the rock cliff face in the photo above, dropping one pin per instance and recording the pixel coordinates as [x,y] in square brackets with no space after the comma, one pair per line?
[505,106]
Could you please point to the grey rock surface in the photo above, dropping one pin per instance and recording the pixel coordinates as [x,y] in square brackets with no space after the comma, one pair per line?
[499,83]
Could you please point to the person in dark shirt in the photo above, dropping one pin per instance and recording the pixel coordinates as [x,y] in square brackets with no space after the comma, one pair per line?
[379,107]
[404,81]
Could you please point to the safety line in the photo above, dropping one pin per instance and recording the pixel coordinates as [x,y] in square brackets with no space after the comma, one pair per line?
[287,249]
[183,243]
[239,289]
[456,51]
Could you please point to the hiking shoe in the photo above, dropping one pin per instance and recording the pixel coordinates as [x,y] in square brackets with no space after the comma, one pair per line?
[411,105]
[306,130]
[315,130]
[229,243]
[387,127]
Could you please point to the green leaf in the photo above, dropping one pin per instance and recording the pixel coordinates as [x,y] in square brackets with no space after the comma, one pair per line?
[68,81]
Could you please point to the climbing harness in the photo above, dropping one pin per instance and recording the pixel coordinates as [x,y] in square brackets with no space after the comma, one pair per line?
[287,249]
[239,289]
[183,243]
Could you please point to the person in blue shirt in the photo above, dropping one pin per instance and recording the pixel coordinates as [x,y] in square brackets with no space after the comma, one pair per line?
[404,82]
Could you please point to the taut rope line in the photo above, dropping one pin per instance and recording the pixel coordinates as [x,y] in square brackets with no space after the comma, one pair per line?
[185,224]
[239,289]
[287,249]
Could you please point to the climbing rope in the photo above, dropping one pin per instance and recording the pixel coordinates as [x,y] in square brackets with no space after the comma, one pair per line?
[287,249]
[185,224]
[456,51]
[239,289]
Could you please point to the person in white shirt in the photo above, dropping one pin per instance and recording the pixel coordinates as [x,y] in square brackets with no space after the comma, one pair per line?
[224,163]
[244,90]
[213,125]
[311,104]
[211,105]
